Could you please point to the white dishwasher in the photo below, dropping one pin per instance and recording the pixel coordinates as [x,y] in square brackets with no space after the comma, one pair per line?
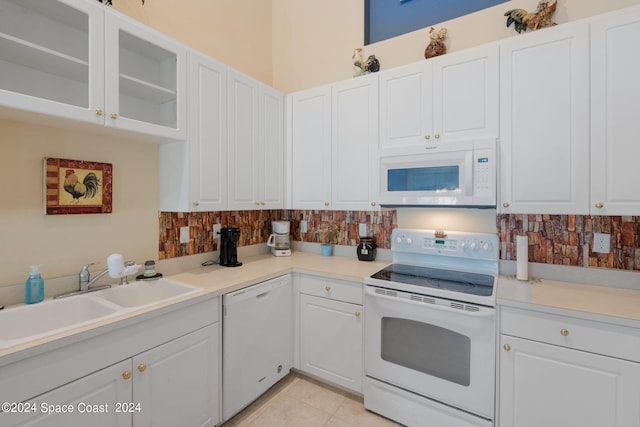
[257,341]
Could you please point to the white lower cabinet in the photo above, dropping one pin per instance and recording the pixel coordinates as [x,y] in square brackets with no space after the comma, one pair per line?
[92,400]
[156,372]
[176,384]
[546,379]
[331,331]
[172,384]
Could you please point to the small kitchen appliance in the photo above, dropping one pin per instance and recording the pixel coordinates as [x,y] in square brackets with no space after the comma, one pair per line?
[429,347]
[279,240]
[456,174]
[229,237]
[366,250]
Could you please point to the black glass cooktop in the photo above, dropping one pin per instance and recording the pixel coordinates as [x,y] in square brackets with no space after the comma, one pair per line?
[450,280]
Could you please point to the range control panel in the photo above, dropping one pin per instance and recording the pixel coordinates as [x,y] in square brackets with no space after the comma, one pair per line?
[482,246]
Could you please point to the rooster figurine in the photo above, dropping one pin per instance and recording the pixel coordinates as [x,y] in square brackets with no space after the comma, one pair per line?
[360,67]
[522,19]
[88,188]
[436,46]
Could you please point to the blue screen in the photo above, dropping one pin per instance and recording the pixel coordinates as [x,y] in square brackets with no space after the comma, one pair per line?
[390,18]
[439,178]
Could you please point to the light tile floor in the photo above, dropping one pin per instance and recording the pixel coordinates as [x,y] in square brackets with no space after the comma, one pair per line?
[299,401]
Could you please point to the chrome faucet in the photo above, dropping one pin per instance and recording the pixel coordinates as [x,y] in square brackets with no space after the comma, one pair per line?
[85,282]
[84,277]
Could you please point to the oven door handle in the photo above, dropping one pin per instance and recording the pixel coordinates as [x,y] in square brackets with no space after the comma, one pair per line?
[482,313]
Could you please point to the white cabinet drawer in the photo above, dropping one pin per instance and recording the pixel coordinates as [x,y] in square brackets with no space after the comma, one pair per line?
[597,337]
[331,288]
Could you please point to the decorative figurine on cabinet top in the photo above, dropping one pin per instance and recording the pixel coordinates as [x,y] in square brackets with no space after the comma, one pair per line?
[541,18]
[371,65]
[436,47]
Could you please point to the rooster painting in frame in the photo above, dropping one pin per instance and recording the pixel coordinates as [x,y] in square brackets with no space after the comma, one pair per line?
[77,186]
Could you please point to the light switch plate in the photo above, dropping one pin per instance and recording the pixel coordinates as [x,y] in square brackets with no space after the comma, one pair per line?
[362,229]
[303,226]
[601,243]
[184,234]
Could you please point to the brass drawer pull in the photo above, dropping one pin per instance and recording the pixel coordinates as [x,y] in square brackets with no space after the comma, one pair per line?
[564,332]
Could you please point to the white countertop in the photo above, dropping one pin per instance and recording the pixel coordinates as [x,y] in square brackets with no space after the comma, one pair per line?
[606,304]
[602,303]
[215,281]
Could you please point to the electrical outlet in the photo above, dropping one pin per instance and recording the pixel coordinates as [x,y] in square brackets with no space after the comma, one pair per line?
[184,234]
[303,226]
[601,243]
[362,229]
[216,231]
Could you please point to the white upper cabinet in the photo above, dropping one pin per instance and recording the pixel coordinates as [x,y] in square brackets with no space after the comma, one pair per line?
[334,148]
[451,97]
[354,146]
[544,121]
[271,167]
[256,144]
[52,57]
[207,133]
[311,148]
[80,60]
[615,124]
[146,79]
[193,175]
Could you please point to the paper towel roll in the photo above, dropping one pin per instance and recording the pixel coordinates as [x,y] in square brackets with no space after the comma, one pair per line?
[115,264]
[522,257]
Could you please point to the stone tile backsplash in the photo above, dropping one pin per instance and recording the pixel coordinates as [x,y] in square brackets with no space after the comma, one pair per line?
[568,239]
[255,227]
[553,239]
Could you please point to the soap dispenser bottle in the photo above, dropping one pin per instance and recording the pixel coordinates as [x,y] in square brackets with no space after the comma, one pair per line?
[34,287]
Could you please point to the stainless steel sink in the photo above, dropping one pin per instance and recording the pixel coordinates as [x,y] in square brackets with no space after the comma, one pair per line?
[145,293]
[29,322]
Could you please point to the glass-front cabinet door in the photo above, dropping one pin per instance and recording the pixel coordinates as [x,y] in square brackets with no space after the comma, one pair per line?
[145,79]
[52,58]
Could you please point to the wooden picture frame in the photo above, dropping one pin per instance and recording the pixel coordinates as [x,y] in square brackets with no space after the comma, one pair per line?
[77,187]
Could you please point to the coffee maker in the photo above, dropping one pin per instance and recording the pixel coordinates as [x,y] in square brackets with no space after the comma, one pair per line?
[279,240]
[229,237]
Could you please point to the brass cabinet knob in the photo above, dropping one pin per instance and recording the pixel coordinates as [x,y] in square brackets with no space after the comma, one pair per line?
[126,375]
[196,203]
[327,288]
[427,137]
[505,205]
[114,116]
[357,313]
[564,332]
[326,203]
[599,205]
[507,347]
[373,203]
[99,111]
[436,136]
[142,367]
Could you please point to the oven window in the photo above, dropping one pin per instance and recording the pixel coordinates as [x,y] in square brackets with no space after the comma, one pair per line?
[436,178]
[426,348]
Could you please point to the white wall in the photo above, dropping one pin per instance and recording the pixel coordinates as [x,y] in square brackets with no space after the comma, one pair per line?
[63,243]
[313,40]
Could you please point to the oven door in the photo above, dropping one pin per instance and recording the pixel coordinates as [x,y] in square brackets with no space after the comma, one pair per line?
[437,348]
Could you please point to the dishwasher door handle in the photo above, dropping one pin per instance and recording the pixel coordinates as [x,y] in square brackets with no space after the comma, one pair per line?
[263,295]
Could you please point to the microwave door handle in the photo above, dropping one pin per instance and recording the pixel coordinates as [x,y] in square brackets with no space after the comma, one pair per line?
[468,172]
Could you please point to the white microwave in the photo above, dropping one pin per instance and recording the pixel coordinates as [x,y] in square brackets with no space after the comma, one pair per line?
[456,174]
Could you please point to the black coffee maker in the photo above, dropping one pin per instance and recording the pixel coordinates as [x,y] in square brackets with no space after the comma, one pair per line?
[229,246]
